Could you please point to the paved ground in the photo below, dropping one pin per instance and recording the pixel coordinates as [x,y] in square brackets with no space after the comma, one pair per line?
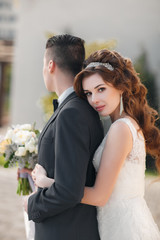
[152,196]
[11,213]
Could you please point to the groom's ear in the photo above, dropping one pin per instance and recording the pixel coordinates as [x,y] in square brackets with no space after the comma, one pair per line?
[51,66]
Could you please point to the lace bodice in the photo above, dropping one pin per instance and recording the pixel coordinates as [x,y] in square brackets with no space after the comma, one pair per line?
[126,215]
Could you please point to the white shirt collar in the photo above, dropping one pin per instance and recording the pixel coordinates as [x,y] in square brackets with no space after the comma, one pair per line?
[65,94]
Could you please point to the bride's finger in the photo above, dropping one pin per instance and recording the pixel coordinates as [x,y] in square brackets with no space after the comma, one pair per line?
[34,179]
[37,165]
[33,176]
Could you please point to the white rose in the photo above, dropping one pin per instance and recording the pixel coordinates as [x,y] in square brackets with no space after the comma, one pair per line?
[21,151]
[9,134]
[30,145]
[16,127]
[21,137]
[26,127]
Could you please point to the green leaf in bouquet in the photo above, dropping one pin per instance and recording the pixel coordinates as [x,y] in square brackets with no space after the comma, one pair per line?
[37,132]
[23,187]
[6,164]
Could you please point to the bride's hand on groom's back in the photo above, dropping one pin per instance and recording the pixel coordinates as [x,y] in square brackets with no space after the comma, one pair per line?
[39,176]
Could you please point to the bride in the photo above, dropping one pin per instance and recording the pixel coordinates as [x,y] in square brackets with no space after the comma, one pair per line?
[112,87]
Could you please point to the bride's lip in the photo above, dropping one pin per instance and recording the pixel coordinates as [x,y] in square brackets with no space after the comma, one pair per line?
[99,108]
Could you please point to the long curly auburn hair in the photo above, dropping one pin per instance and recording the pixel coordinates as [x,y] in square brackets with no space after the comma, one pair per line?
[125,78]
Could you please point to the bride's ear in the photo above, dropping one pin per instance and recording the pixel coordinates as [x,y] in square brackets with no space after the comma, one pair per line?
[51,66]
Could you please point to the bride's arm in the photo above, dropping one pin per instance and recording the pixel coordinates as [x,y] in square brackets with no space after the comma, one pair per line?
[117,147]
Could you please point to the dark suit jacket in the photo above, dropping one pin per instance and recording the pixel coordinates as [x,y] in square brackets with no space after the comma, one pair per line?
[66,148]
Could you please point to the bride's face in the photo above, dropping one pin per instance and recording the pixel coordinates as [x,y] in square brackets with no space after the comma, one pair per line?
[102,96]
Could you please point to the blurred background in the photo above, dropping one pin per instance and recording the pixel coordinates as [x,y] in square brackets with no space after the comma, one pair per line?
[130,27]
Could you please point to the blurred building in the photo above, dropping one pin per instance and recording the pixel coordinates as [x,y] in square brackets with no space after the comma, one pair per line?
[8,19]
[8,22]
[133,23]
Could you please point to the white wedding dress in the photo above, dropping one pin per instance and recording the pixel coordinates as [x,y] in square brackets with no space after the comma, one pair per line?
[126,215]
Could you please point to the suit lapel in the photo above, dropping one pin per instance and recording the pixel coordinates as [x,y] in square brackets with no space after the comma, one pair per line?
[71,96]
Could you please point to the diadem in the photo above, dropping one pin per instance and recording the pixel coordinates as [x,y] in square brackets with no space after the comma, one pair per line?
[96,64]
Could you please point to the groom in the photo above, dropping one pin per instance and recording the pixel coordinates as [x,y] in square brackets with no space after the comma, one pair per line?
[66,147]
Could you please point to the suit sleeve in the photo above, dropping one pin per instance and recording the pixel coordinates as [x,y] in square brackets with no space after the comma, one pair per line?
[72,142]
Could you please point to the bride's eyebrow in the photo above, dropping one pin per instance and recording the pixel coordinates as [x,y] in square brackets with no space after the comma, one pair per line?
[94,88]
[99,85]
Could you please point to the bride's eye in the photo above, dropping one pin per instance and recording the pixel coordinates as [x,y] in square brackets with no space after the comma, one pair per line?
[87,94]
[101,89]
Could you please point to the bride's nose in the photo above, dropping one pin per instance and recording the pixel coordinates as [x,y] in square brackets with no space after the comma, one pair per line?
[94,99]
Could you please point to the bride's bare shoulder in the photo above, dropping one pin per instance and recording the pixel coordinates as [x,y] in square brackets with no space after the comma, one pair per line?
[120,130]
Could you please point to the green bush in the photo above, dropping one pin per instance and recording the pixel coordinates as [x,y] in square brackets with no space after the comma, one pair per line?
[148,78]
[47,105]
[2,161]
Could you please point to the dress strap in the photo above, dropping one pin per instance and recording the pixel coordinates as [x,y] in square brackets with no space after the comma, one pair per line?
[131,127]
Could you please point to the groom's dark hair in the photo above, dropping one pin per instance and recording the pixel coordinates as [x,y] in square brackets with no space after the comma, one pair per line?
[67,52]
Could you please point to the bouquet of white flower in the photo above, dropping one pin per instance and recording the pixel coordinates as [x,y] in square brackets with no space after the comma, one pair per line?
[20,147]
